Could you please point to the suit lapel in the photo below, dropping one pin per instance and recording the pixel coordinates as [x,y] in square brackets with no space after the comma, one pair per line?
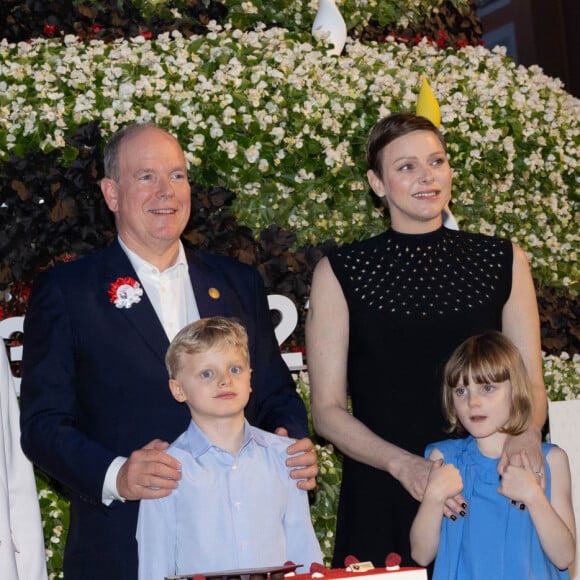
[141,315]
[213,295]
[210,286]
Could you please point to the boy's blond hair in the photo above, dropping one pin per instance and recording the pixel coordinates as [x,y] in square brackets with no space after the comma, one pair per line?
[490,357]
[202,335]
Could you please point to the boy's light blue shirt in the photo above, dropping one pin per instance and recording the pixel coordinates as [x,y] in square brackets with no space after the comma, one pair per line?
[228,512]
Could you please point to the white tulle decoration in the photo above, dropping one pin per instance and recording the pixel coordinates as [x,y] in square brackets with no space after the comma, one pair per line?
[329,20]
[449,220]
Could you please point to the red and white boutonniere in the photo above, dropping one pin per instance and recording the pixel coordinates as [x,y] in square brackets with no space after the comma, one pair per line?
[124,292]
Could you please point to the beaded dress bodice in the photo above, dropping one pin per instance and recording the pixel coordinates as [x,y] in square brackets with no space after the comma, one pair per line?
[426,275]
[412,299]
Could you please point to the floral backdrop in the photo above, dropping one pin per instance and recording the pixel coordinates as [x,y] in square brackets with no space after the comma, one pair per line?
[274,128]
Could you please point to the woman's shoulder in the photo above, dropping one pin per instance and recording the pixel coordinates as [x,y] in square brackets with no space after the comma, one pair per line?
[481,250]
[360,245]
[478,239]
[348,261]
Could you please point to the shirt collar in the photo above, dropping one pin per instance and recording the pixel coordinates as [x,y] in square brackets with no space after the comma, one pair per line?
[140,265]
[200,444]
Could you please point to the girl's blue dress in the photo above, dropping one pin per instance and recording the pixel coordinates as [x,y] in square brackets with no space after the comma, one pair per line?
[495,540]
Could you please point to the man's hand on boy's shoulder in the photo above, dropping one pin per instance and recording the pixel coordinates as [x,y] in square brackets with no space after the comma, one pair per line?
[303,457]
[149,473]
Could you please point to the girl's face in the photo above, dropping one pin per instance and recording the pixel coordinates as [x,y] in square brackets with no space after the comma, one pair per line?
[483,409]
[415,183]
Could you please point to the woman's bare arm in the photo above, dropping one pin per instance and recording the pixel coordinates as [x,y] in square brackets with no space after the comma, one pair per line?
[521,323]
[327,330]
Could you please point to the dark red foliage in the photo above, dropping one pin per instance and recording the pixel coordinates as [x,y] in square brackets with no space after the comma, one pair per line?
[449,27]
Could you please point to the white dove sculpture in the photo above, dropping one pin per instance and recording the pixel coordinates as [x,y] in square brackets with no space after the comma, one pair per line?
[329,20]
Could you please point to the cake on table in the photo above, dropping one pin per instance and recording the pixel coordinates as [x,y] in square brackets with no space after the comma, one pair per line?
[353,570]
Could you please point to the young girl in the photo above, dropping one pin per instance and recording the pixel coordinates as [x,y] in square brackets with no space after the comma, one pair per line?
[510,527]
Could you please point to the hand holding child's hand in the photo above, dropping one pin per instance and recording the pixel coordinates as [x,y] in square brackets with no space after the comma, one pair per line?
[444,488]
[521,484]
[530,442]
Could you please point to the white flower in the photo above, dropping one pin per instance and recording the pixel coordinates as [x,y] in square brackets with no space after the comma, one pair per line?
[252,153]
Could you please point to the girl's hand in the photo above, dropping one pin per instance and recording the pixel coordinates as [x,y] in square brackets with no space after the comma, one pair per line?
[444,487]
[522,484]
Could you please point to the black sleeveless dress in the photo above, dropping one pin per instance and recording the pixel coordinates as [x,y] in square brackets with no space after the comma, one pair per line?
[412,299]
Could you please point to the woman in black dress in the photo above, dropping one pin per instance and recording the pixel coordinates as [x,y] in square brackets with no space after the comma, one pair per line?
[384,316]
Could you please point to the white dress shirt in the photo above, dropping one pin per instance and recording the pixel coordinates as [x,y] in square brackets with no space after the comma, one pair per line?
[171,294]
[229,511]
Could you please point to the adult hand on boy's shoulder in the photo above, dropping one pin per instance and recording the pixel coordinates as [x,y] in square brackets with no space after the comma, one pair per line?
[149,473]
[303,457]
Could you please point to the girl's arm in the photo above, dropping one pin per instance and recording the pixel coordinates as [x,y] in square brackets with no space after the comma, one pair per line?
[554,519]
[444,482]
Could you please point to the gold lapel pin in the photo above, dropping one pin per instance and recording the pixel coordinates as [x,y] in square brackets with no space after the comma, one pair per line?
[214,293]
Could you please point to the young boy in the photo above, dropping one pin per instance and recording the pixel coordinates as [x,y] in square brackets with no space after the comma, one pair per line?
[235,507]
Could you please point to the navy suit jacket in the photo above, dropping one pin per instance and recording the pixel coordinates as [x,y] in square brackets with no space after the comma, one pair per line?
[94,386]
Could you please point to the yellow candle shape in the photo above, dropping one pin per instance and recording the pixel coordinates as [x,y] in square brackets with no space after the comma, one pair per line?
[427,105]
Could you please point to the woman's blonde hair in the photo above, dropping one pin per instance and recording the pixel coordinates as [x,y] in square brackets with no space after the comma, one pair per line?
[202,335]
[490,357]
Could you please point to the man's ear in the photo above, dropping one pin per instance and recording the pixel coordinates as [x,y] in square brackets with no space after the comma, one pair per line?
[110,193]
[177,391]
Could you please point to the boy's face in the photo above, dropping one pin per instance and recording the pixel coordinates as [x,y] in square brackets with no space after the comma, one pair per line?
[214,384]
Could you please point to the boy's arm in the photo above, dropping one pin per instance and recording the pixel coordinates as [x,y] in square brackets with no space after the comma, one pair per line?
[444,483]
[156,534]
[553,519]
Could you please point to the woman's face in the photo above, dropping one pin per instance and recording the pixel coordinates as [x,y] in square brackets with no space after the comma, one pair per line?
[415,183]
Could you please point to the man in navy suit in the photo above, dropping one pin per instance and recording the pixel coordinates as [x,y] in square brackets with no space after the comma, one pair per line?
[96,412]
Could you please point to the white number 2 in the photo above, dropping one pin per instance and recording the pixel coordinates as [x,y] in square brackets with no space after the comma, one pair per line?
[286,326]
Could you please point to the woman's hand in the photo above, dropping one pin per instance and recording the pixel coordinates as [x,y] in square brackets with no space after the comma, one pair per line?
[529,442]
[522,483]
